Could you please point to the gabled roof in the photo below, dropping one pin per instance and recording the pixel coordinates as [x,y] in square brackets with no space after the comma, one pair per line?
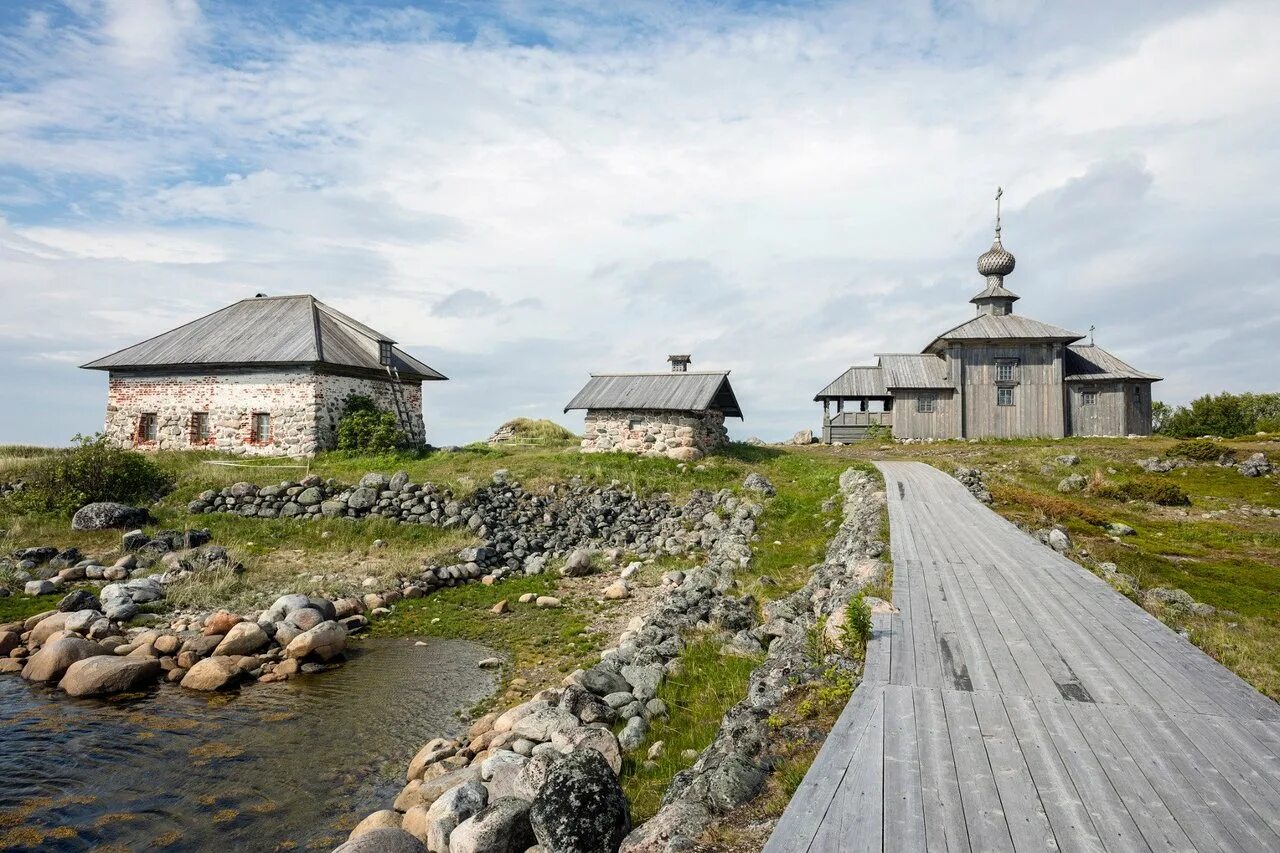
[1090,363]
[856,382]
[268,331]
[914,370]
[692,391]
[990,327]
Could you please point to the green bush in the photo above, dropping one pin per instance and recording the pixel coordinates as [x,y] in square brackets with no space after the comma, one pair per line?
[1160,492]
[1200,449]
[858,627]
[93,470]
[1225,414]
[363,427]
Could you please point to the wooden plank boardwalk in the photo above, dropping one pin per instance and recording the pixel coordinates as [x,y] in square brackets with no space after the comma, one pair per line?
[1016,702]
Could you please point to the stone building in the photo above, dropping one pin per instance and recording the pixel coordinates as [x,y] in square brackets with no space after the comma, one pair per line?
[996,375]
[262,377]
[680,414]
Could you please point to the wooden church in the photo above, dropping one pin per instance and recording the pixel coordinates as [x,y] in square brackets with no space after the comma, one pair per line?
[997,375]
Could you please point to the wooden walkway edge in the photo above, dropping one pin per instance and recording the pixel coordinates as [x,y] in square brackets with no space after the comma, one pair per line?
[1016,702]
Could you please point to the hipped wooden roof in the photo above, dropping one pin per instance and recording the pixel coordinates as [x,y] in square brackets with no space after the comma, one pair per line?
[691,391]
[1090,363]
[914,370]
[994,327]
[265,332]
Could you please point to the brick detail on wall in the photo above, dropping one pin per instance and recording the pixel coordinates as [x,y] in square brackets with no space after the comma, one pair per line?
[303,405]
[679,435]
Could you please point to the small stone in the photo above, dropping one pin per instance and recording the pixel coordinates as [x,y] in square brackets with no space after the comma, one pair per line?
[490,663]
[547,601]
[501,607]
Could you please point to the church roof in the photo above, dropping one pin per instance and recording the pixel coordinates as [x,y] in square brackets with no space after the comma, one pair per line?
[268,331]
[857,381]
[914,370]
[1091,363]
[683,391]
[993,327]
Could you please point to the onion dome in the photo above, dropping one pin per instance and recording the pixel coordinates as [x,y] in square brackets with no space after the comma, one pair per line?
[996,260]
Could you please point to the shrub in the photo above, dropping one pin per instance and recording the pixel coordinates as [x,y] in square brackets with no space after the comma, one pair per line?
[1052,507]
[1160,492]
[1225,414]
[363,427]
[857,629]
[1199,449]
[92,470]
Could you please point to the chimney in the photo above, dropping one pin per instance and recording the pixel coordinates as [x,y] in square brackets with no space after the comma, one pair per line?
[680,363]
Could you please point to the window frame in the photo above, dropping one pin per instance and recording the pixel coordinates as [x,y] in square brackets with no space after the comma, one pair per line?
[152,435]
[927,403]
[254,436]
[384,353]
[1088,396]
[1002,392]
[200,419]
[1011,365]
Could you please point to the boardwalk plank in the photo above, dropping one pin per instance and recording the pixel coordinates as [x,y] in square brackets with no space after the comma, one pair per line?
[1016,702]
[984,815]
[903,809]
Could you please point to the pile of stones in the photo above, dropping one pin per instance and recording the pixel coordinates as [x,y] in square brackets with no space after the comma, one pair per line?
[973,480]
[732,771]
[545,772]
[9,488]
[1256,465]
[84,649]
[45,569]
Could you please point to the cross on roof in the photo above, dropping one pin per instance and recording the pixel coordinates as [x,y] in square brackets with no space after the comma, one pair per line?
[999,194]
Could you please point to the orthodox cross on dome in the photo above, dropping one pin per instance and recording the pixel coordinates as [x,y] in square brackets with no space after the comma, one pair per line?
[999,195]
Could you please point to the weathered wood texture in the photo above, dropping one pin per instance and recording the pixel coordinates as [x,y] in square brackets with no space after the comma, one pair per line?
[942,422]
[1016,702]
[1037,391]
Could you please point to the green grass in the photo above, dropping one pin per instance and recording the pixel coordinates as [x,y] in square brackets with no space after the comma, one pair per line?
[709,685]
[18,606]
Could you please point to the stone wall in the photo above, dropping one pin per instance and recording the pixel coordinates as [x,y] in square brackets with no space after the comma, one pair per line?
[686,436]
[332,392]
[304,407]
[230,398]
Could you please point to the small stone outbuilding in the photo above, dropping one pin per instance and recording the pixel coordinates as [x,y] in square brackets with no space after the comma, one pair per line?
[680,414]
[267,376]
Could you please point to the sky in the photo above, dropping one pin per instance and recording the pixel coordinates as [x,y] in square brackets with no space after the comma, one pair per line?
[521,193]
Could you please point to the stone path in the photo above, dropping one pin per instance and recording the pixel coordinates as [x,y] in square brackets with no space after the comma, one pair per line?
[1017,702]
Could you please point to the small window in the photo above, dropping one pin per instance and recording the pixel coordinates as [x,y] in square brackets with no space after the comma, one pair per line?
[148,427]
[1004,396]
[926,403]
[1007,370]
[199,427]
[384,353]
[261,426]
[1088,398]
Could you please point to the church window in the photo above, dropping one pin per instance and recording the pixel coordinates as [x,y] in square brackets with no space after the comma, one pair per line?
[1004,396]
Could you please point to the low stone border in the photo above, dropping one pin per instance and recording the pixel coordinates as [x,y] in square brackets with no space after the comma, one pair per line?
[733,769]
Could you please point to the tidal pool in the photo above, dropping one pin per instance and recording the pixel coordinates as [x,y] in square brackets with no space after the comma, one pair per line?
[286,766]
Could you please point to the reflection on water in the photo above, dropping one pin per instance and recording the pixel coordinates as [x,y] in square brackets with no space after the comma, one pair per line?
[285,766]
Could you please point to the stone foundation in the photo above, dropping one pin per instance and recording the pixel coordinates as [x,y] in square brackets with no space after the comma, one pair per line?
[303,405]
[686,436]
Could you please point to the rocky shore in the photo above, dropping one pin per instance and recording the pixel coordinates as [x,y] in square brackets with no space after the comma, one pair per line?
[542,776]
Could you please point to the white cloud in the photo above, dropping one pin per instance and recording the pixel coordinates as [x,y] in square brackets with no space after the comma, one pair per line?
[781,193]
